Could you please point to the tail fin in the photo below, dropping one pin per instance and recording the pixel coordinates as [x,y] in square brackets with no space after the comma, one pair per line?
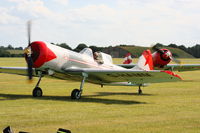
[127,59]
[145,61]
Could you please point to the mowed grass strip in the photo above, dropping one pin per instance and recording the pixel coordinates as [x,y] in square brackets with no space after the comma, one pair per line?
[164,107]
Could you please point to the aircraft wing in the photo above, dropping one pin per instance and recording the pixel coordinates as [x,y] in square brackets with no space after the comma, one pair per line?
[98,76]
[174,67]
[183,67]
[15,70]
[133,76]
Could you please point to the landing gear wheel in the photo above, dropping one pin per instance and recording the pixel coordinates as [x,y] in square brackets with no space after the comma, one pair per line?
[139,91]
[76,94]
[37,92]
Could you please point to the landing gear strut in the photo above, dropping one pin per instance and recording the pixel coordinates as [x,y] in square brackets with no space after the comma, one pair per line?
[140,90]
[76,93]
[37,91]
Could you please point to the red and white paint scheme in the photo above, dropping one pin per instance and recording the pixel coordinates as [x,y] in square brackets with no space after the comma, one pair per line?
[145,61]
[157,59]
[45,55]
[52,61]
[127,59]
[160,59]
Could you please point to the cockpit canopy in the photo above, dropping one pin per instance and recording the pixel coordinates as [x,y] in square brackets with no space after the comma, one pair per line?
[87,51]
[106,58]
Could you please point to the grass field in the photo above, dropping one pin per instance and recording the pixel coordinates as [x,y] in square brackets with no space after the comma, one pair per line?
[163,108]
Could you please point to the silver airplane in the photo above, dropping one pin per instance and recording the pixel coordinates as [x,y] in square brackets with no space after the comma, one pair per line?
[45,59]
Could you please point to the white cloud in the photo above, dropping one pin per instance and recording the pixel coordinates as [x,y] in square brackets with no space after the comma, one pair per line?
[92,13]
[33,9]
[7,18]
[62,2]
[160,20]
[128,21]
[36,8]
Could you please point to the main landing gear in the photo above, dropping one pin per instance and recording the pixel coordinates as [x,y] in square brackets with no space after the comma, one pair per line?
[37,91]
[140,90]
[76,93]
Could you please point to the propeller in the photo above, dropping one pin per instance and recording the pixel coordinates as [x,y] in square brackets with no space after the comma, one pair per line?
[28,53]
[175,60]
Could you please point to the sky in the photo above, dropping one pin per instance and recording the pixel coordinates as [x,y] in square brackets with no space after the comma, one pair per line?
[101,22]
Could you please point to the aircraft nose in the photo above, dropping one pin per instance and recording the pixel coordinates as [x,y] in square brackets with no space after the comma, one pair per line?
[41,53]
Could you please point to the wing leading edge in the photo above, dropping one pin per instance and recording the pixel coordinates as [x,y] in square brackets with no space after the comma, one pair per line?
[14,70]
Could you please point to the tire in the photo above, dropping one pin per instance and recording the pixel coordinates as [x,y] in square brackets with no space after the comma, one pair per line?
[76,94]
[37,92]
[139,92]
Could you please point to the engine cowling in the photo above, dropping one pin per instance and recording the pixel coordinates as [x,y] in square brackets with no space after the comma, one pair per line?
[161,57]
[40,53]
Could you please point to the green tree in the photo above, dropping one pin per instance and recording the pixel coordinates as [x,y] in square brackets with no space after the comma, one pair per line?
[19,48]
[64,45]
[95,49]
[4,53]
[10,47]
[173,45]
[80,47]
[159,45]
[194,50]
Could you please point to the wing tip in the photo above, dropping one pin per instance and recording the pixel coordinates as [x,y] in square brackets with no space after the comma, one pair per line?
[172,73]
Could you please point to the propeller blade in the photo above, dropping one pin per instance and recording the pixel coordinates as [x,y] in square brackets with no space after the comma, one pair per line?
[29,60]
[176,60]
[30,66]
[29,32]
[28,52]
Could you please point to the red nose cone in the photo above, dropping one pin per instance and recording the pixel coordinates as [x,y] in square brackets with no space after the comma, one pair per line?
[165,56]
[41,54]
[161,59]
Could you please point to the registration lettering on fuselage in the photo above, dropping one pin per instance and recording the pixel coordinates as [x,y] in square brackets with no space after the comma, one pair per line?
[130,75]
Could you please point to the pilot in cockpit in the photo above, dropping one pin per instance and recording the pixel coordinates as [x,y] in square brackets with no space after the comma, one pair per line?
[98,57]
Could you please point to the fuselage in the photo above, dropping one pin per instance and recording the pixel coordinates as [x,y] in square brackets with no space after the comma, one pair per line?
[52,57]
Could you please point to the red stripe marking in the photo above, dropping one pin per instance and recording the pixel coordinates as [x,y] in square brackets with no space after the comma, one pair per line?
[173,74]
[148,57]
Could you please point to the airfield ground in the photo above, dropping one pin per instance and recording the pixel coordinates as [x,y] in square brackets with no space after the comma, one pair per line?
[163,108]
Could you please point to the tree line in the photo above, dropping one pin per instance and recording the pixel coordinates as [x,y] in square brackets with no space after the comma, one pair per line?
[4,51]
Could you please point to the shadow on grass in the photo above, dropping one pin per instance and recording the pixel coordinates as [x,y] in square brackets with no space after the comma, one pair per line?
[120,93]
[84,99]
